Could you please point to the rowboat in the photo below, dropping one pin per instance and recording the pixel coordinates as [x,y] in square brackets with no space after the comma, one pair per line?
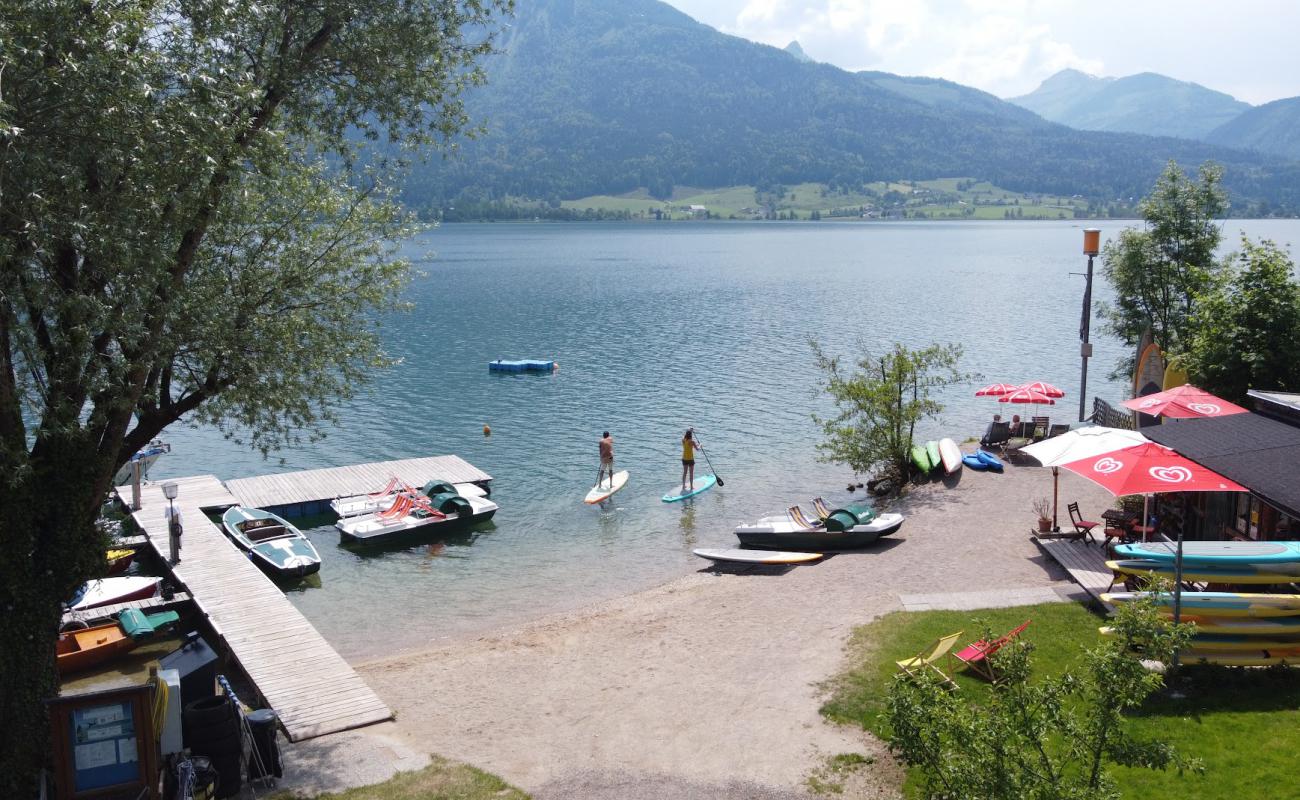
[119,560]
[409,513]
[106,591]
[273,544]
[79,650]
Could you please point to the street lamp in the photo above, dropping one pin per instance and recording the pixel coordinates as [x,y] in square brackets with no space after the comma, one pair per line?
[170,490]
[1091,247]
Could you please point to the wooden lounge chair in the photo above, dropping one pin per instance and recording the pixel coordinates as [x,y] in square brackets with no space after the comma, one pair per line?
[1082,526]
[928,659]
[975,656]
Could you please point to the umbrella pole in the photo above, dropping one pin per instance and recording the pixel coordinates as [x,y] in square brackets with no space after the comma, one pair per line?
[1178,585]
[1056,478]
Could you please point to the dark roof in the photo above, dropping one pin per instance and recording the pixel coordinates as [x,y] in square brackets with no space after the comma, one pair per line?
[1256,451]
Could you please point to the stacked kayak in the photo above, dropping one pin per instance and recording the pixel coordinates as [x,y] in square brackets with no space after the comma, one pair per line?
[982,460]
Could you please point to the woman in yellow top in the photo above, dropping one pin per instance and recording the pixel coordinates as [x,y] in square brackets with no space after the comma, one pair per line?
[688,460]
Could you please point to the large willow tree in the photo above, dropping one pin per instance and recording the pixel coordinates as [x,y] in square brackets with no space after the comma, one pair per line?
[183,233]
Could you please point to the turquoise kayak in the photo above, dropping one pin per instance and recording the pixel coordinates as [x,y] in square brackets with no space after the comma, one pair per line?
[702,484]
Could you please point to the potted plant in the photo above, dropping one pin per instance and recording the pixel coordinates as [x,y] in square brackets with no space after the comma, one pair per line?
[1043,508]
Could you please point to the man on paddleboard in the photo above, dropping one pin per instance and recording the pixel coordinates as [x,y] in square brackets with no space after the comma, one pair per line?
[606,459]
[688,460]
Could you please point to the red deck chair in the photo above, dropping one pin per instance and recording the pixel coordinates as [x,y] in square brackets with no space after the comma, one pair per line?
[400,507]
[976,654]
[387,490]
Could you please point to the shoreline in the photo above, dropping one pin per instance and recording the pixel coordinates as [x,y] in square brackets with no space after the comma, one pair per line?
[715,677]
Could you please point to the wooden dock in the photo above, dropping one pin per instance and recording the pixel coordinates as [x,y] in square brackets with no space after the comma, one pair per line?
[310,686]
[1085,562]
[308,491]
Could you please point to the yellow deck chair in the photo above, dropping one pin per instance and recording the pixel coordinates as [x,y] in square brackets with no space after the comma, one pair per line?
[929,658]
[823,510]
[797,516]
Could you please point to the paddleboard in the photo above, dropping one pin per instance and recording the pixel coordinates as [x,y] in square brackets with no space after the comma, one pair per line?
[1238,626]
[932,454]
[606,488]
[1259,556]
[1228,641]
[1243,575]
[990,460]
[1249,658]
[950,454]
[756,557]
[1219,604]
[974,462]
[920,458]
[703,483]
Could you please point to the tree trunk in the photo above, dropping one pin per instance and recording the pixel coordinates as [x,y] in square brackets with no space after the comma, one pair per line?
[49,545]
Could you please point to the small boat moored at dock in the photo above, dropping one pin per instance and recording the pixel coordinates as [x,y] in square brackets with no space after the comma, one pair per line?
[145,457]
[89,647]
[373,503]
[407,512]
[273,544]
[106,591]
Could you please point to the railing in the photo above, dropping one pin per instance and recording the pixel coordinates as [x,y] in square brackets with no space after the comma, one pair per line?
[1103,413]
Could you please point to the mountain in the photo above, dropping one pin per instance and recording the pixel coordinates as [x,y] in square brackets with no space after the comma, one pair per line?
[607,96]
[1271,128]
[795,50]
[1144,103]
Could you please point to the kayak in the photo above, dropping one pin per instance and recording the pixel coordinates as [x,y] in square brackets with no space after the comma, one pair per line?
[702,484]
[950,455]
[973,461]
[920,458]
[932,453]
[990,460]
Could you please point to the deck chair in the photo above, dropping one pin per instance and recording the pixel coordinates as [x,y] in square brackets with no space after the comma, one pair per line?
[1041,425]
[823,510]
[1019,438]
[798,518]
[1082,526]
[928,659]
[975,656]
[997,435]
[1057,430]
[387,490]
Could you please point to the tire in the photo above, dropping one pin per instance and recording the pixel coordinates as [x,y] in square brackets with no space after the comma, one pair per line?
[213,746]
[229,781]
[208,711]
[217,730]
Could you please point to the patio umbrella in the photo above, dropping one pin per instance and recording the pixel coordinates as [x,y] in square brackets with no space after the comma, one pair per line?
[1043,388]
[1182,402]
[996,390]
[1147,468]
[1076,445]
[1025,395]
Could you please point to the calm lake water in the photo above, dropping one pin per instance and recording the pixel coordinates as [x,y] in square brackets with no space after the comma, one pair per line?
[656,327]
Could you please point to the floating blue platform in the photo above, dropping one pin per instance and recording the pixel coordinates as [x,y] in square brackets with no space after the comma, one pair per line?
[521,366]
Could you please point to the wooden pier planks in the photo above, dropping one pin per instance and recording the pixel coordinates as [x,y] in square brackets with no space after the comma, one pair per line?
[313,690]
[1085,562]
[288,488]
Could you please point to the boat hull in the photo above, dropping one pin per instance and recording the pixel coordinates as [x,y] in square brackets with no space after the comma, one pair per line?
[366,530]
[80,650]
[106,591]
[782,534]
[287,556]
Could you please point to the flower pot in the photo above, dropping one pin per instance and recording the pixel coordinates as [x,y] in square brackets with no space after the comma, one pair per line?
[1044,524]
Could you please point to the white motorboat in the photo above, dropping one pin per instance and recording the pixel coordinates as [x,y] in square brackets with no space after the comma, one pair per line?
[145,457]
[276,546]
[106,591]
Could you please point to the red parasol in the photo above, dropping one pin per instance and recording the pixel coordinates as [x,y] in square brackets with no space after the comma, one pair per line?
[1183,401]
[996,390]
[1043,388]
[1149,468]
[1024,395]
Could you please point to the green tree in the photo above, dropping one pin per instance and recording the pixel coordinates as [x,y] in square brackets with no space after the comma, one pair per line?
[184,233]
[1158,272]
[1050,739]
[1245,333]
[880,403]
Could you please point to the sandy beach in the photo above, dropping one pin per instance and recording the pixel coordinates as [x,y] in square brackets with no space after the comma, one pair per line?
[709,686]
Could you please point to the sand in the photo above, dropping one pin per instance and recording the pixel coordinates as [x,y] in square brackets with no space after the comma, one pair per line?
[709,686]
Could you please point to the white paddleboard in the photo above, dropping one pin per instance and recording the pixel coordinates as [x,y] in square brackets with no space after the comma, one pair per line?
[606,488]
[756,556]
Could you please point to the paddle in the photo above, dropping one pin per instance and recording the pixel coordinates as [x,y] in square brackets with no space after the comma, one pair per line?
[710,463]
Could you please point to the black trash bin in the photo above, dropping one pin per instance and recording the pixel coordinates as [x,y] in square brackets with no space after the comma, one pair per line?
[264,760]
[197,665]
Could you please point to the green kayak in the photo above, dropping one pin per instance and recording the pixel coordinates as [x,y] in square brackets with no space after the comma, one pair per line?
[932,450]
[921,458]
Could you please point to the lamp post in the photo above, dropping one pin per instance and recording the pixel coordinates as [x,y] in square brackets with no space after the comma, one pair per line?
[170,490]
[1091,247]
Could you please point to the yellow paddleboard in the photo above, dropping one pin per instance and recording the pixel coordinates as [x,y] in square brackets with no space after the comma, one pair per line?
[1191,573]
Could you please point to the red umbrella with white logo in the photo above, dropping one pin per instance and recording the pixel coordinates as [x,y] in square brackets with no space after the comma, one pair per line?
[1148,468]
[1182,402]
[1043,387]
[1024,394]
[996,390]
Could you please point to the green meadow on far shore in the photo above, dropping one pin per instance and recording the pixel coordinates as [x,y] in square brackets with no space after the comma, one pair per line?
[1242,723]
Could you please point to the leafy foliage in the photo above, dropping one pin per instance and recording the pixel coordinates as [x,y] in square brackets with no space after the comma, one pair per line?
[1050,739]
[881,402]
[1157,273]
[1246,329]
[183,234]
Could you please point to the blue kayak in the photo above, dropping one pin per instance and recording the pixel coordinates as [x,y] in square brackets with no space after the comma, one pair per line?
[702,484]
[973,462]
[991,461]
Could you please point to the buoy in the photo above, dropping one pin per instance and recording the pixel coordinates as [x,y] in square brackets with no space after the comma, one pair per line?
[555,365]
[487,431]
[851,487]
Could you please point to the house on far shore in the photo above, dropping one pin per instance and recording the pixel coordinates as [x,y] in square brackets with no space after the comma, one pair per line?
[1259,450]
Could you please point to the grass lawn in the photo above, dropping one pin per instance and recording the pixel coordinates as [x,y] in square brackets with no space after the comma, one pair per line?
[1243,724]
[441,780]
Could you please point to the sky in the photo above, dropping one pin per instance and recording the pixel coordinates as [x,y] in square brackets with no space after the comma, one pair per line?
[1246,48]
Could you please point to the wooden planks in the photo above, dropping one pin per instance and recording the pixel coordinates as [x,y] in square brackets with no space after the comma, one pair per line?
[312,689]
[288,488]
[152,605]
[1086,563]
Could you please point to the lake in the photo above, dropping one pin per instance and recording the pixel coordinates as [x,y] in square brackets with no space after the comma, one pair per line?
[657,327]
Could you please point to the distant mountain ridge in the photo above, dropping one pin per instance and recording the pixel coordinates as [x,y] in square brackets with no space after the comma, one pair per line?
[1147,103]
[795,50]
[1271,128]
[605,96]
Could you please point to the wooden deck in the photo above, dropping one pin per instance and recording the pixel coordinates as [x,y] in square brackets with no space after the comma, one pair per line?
[314,485]
[311,687]
[98,614]
[1085,562]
